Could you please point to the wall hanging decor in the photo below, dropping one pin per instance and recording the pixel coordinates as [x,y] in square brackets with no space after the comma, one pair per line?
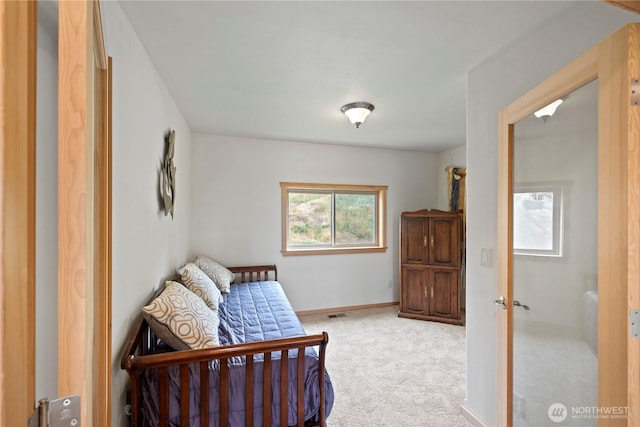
[456,180]
[168,174]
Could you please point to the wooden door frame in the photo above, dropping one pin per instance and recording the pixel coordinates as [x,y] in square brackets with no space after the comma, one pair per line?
[18,57]
[84,210]
[18,52]
[613,62]
[102,228]
[630,5]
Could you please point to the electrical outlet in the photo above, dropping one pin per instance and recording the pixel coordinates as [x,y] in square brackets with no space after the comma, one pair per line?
[390,284]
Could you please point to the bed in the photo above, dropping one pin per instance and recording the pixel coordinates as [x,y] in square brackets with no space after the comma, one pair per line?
[261,339]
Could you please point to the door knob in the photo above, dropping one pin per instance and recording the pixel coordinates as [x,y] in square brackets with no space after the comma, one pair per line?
[501,302]
[517,304]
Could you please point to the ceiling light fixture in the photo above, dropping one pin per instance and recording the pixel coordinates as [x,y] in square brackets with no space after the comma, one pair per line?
[549,110]
[357,112]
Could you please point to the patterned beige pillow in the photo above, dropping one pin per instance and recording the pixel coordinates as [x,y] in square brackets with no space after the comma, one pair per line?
[200,284]
[181,319]
[220,275]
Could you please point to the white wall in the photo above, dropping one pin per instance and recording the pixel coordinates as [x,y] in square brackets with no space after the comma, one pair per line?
[47,209]
[237,213]
[456,156]
[492,86]
[147,245]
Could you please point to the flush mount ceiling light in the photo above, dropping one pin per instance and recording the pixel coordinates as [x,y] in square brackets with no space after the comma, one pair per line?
[549,110]
[357,112]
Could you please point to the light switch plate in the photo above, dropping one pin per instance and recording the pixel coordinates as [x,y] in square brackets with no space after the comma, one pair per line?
[486,257]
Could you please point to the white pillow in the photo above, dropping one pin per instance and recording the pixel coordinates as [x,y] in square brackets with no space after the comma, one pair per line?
[217,272]
[200,284]
[181,319]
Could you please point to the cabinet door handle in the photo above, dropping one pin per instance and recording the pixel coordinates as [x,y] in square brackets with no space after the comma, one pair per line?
[432,241]
[432,292]
[426,295]
[425,241]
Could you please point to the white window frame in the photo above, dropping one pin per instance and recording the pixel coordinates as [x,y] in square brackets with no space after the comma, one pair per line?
[380,245]
[558,219]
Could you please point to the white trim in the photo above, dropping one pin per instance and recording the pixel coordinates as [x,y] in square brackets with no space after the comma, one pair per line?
[471,418]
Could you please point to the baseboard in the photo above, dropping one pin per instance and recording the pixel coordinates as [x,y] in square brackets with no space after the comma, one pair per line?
[471,418]
[347,308]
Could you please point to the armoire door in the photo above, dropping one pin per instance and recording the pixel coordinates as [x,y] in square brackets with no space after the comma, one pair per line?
[443,292]
[414,297]
[414,243]
[444,241]
[616,274]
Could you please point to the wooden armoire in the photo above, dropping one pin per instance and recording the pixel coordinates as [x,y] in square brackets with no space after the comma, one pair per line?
[430,265]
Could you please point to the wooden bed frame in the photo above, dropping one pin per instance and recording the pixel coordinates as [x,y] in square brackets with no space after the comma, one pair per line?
[141,346]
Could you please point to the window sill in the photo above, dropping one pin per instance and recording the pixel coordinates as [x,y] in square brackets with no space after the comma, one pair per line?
[333,251]
[539,255]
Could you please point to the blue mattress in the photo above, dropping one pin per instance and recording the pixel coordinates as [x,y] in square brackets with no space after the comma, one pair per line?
[251,312]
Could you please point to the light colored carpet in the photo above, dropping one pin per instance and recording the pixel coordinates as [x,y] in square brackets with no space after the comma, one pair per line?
[552,364]
[393,372]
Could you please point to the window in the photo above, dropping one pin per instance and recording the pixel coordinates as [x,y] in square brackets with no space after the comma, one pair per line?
[537,221]
[330,218]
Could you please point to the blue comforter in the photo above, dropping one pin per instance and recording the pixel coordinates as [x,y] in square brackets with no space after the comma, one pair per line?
[257,311]
[251,312]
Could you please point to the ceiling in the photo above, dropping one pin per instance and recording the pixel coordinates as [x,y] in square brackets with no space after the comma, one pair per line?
[282,69]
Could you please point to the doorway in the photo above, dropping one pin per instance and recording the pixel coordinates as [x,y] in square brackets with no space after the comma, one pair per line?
[555,241]
[82,144]
[615,275]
